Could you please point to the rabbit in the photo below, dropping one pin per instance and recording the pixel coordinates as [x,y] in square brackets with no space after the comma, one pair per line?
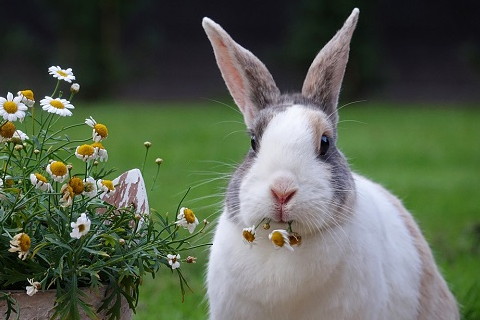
[361,254]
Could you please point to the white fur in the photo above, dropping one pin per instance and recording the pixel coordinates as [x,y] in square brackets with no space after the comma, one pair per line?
[366,268]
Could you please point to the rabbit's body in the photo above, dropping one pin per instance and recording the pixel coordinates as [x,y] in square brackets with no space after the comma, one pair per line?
[367,268]
[361,256]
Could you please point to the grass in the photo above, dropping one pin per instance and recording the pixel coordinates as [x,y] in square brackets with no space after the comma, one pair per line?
[427,155]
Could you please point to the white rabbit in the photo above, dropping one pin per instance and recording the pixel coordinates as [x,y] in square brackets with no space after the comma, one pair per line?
[361,255]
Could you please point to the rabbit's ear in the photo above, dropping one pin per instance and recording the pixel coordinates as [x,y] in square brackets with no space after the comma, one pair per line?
[248,80]
[324,78]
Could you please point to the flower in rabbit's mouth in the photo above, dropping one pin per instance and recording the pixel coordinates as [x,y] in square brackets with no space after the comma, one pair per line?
[187,219]
[173,260]
[80,227]
[12,108]
[33,287]
[61,74]
[249,234]
[100,131]
[21,244]
[57,106]
[57,170]
[280,239]
[40,182]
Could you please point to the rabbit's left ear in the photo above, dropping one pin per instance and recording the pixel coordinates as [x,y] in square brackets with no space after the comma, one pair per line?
[248,80]
[325,76]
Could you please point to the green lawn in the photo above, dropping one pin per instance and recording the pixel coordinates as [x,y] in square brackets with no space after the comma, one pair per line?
[427,155]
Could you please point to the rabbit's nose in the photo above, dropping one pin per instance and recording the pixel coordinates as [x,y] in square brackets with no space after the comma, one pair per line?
[282,195]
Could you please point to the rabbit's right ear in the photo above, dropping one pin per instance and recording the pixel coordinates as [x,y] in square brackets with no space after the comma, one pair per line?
[248,80]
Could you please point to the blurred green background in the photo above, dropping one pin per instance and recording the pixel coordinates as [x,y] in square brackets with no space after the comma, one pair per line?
[147,70]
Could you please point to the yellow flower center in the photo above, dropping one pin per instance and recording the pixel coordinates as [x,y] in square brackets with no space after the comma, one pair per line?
[57,104]
[40,177]
[58,168]
[189,215]
[248,235]
[81,227]
[27,94]
[24,242]
[108,184]
[10,107]
[7,130]
[62,73]
[101,130]
[86,150]
[97,145]
[77,185]
[277,239]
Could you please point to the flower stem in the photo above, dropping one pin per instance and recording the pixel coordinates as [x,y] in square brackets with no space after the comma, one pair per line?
[56,88]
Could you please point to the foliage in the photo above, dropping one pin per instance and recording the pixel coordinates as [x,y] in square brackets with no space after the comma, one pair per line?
[56,231]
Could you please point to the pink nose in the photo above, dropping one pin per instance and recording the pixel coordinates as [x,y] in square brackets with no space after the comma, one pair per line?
[283,196]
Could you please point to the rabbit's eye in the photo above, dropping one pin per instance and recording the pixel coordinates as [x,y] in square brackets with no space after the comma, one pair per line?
[324,144]
[253,142]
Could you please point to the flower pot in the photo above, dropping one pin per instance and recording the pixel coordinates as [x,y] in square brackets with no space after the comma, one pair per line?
[40,306]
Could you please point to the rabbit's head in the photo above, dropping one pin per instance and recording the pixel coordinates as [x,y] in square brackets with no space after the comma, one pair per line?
[293,172]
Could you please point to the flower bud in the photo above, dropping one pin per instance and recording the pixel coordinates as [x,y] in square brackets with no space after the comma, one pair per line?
[74,88]
[19,147]
[147,144]
[191,259]
[159,161]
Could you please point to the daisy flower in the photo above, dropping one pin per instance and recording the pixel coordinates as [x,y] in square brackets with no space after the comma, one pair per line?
[57,106]
[77,185]
[89,187]
[105,186]
[100,131]
[7,130]
[40,182]
[57,170]
[102,153]
[173,260]
[187,219]
[280,238]
[85,152]
[33,287]
[12,109]
[21,244]
[27,97]
[61,74]
[67,196]
[80,227]
[249,234]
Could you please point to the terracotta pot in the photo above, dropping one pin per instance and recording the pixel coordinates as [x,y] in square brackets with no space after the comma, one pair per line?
[40,305]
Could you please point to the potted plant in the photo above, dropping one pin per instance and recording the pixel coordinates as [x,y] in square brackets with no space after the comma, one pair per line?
[72,240]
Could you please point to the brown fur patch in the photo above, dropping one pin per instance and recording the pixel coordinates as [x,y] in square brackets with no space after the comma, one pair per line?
[320,126]
[436,302]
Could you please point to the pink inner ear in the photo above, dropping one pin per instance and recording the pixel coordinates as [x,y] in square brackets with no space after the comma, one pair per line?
[231,74]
